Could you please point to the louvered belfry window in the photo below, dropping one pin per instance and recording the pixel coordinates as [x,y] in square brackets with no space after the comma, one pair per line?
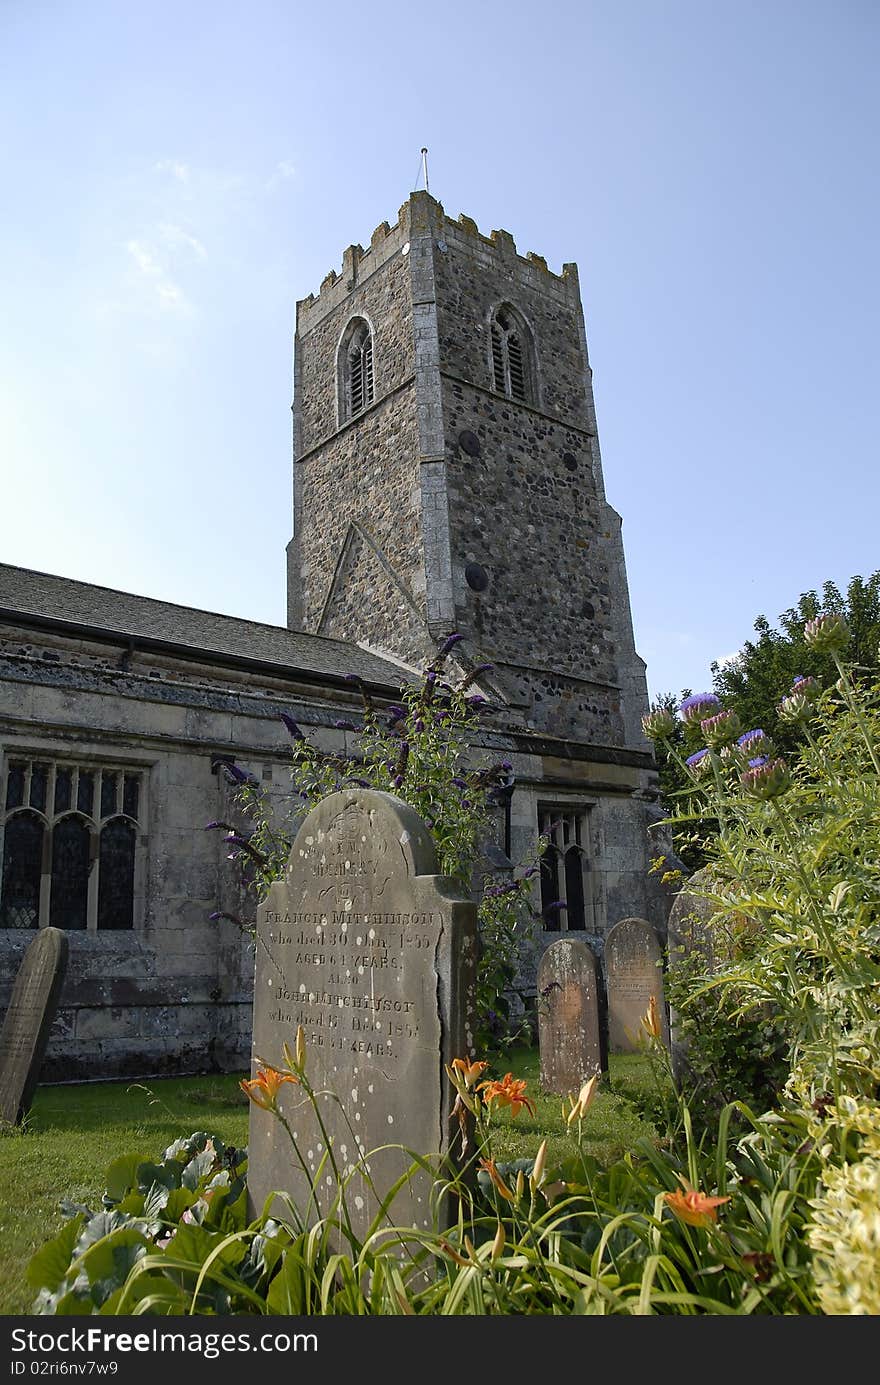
[509,364]
[359,370]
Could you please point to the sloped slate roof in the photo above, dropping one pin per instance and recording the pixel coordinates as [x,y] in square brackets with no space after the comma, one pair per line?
[43,596]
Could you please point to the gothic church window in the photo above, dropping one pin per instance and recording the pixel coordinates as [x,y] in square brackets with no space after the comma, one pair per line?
[356,369]
[70,845]
[511,355]
[566,899]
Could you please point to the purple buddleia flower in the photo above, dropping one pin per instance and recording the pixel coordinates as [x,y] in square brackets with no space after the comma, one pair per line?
[449,644]
[343,724]
[476,700]
[292,727]
[235,774]
[213,826]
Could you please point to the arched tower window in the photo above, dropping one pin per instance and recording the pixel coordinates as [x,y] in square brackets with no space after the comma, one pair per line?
[356,369]
[512,372]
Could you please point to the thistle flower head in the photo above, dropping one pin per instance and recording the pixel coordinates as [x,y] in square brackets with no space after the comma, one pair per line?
[699,763]
[806,686]
[755,743]
[794,708]
[720,729]
[698,706]
[828,633]
[767,779]
[658,724]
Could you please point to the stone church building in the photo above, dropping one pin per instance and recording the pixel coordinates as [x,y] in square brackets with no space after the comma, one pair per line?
[446,477]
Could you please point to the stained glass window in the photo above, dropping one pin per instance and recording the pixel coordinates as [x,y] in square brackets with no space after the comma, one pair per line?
[68,907]
[22,868]
[116,878]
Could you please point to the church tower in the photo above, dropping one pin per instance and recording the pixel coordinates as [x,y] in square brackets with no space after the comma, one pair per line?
[447,474]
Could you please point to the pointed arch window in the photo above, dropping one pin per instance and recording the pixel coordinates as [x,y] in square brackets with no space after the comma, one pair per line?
[511,355]
[22,870]
[565,869]
[70,845]
[356,369]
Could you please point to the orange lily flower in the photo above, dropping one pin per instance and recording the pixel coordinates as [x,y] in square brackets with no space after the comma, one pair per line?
[694,1207]
[497,1180]
[510,1091]
[263,1089]
[469,1072]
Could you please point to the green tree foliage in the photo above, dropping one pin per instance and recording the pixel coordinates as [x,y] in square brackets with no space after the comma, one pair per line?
[764,668]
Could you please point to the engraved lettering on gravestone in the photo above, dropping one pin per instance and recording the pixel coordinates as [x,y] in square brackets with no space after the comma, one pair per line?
[568,1016]
[633,976]
[24,1036]
[373,954]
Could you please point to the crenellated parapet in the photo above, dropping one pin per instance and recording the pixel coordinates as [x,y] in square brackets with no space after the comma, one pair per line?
[422,215]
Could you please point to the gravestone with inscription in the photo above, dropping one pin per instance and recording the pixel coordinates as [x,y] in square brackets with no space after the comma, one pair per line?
[633,975]
[369,950]
[568,1016]
[25,1032]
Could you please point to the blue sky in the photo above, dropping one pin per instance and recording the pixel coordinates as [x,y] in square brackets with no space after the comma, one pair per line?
[174,177]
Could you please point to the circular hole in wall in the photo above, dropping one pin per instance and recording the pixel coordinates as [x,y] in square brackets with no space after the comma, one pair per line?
[476,577]
[469,443]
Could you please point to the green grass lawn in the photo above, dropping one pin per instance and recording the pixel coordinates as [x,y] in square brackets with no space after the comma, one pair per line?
[74,1132]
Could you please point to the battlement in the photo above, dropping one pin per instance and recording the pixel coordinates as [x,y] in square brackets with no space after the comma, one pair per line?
[423,215]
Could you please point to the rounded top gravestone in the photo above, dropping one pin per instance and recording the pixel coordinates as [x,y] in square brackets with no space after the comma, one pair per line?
[373,954]
[634,977]
[568,1016]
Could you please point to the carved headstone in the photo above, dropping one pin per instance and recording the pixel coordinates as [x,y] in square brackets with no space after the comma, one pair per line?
[373,954]
[25,1033]
[568,1016]
[633,976]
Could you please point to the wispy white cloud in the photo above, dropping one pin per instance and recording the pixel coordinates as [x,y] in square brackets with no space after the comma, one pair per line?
[178,238]
[283,171]
[165,292]
[179,171]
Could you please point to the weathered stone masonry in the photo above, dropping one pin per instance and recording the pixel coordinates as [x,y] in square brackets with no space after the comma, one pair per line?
[444,504]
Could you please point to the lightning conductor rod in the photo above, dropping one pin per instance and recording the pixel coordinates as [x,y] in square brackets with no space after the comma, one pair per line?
[425,167]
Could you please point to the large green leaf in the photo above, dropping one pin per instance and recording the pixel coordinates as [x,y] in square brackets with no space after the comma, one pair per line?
[49,1266]
[122,1176]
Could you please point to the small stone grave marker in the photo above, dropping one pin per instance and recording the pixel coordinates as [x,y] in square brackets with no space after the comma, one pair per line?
[633,977]
[568,1016]
[373,954]
[25,1033]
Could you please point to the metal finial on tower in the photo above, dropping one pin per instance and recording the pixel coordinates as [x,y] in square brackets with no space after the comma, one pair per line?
[425,167]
